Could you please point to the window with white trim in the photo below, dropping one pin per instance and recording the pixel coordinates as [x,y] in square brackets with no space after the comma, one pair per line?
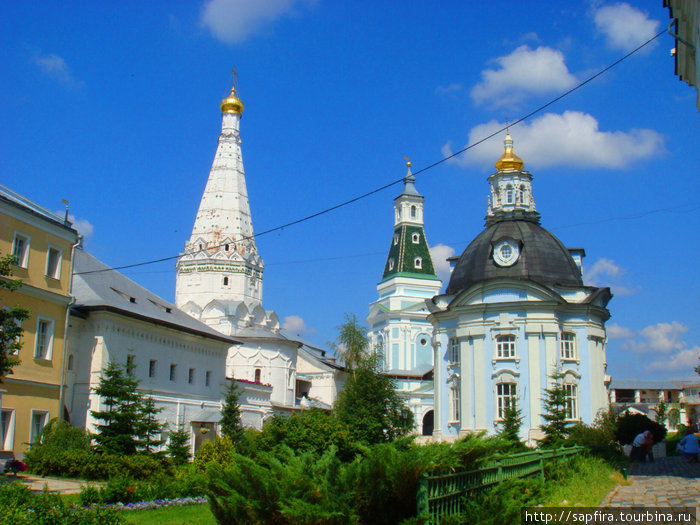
[571,396]
[391,264]
[38,422]
[413,212]
[453,350]
[152,368]
[454,401]
[258,375]
[396,239]
[20,249]
[509,194]
[53,263]
[43,345]
[568,345]
[506,397]
[505,346]
[418,263]
[415,238]
[7,423]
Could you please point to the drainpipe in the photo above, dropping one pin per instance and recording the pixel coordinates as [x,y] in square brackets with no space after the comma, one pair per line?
[71,301]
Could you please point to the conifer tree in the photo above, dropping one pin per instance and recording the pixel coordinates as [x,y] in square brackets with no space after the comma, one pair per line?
[661,412]
[510,424]
[230,423]
[149,427]
[121,418]
[555,411]
[10,319]
[179,445]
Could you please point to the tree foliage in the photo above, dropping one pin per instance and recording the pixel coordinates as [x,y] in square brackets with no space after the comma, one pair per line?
[509,427]
[661,412]
[10,320]
[149,427]
[351,345]
[230,423]
[179,445]
[555,411]
[370,406]
[629,425]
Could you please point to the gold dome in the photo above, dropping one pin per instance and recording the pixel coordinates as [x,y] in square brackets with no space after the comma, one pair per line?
[232,104]
[509,160]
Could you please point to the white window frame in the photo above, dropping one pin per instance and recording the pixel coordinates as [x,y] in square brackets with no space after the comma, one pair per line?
[23,260]
[509,194]
[506,346]
[57,271]
[415,238]
[7,434]
[571,390]
[391,264]
[49,345]
[567,346]
[453,350]
[396,239]
[45,418]
[505,398]
[414,211]
[418,263]
[152,364]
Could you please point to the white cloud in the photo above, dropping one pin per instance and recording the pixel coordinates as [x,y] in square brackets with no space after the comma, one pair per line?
[84,227]
[523,73]
[615,331]
[664,337]
[624,26]
[296,325]
[570,139]
[439,254]
[605,272]
[56,67]
[685,361]
[233,21]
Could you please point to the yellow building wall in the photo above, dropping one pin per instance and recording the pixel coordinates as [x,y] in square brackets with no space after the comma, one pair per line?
[34,384]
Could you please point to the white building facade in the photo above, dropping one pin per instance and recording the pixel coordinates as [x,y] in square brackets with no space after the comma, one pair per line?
[515,312]
[399,330]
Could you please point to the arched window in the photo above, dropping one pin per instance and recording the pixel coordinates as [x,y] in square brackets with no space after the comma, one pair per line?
[506,397]
[505,346]
[396,239]
[415,238]
[521,194]
[568,345]
[258,374]
[391,264]
[70,362]
[225,281]
[226,247]
[509,194]
[418,263]
[413,212]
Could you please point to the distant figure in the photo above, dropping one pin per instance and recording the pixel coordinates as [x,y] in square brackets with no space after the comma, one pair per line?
[641,446]
[689,447]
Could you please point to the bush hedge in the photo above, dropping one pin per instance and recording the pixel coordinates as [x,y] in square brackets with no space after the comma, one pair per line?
[629,425]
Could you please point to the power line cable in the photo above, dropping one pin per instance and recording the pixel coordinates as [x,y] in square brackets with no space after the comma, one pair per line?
[397,181]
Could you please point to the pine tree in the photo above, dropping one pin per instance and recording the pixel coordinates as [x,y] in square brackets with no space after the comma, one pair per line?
[555,411]
[149,427]
[179,445]
[661,412]
[510,425]
[230,423]
[121,418]
[10,319]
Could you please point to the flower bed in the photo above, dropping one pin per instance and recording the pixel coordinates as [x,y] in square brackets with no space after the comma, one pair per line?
[155,504]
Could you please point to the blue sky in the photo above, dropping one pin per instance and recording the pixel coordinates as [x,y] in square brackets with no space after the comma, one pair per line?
[114,106]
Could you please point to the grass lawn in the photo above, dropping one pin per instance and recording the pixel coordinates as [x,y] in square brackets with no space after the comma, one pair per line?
[187,515]
[587,487]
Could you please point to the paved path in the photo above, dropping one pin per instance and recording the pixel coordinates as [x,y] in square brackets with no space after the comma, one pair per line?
[667,482]
[56,485]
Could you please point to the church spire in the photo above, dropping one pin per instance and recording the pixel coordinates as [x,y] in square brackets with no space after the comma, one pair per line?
[511,188]
[221,260]
[409,254]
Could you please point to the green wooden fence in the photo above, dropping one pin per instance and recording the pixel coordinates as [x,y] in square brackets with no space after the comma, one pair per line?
[442,495]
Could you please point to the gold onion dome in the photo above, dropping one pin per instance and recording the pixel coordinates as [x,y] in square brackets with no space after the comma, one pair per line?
[509,160]
[232,104]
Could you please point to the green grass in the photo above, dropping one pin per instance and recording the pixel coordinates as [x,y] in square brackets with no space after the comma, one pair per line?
[187,515]
[591,481]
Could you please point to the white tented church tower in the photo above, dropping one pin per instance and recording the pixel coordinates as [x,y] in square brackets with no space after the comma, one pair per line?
[220,278]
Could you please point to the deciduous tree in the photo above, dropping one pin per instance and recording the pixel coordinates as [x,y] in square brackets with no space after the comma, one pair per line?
[10,320]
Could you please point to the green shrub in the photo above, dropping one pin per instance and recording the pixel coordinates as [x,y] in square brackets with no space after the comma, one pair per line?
[18,506]
[89,495]
[219,451]
[629,425]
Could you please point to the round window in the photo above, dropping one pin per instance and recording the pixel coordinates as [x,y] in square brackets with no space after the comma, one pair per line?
[423,341]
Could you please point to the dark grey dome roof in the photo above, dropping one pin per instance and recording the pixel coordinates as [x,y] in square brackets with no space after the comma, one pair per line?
[543,258]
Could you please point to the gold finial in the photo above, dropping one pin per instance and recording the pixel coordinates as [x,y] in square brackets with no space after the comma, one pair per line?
[232,104]
[509,160]
[408,162]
